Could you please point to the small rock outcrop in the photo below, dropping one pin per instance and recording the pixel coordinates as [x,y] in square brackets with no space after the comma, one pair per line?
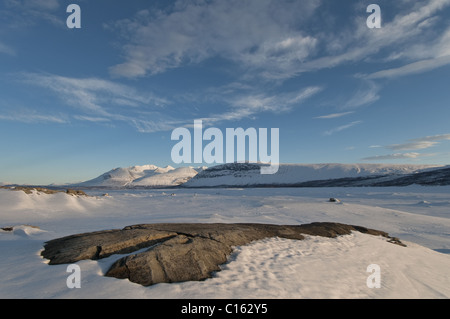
[32,189]
[179,252]
[334,200]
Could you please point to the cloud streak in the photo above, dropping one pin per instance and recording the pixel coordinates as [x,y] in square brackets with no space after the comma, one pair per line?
[412,144]
[6,49]
[396,156]
[420,143]
[251,104]
[100,101]
[341,128]
[412,68]
[30,116]
[27,13]
[333,115]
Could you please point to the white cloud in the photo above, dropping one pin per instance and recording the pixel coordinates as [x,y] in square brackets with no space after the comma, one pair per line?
[91,118]
[92,94]
[333,115]
[247,105]
[396,156]
[6,49]
[410,30]
[98,100]
[411,146]
[49,5]
[26,13]
[363,96]
[412,68]
[31,116]
[341,128]
[439,137]
[101,101]
[258,34]
[425,51]
[419,143]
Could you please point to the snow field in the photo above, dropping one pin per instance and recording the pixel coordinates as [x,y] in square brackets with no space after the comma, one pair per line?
[272,268]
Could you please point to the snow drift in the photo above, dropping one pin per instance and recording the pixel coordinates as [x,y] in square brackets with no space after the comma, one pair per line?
[315,267]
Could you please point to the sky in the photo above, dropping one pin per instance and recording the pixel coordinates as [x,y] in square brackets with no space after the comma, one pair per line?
[77,102]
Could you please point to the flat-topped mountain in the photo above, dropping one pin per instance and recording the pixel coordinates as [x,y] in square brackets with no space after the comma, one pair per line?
[288,175]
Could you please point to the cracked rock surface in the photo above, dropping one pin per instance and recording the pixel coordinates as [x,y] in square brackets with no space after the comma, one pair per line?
[179,251]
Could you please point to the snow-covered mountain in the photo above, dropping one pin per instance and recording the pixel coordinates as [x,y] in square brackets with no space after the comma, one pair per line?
[289,175]
[303,174]
[142,176]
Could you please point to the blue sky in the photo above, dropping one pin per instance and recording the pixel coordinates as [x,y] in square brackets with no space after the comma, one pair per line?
[75,103]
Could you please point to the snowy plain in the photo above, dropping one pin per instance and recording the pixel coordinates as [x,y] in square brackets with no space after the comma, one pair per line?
[272,268]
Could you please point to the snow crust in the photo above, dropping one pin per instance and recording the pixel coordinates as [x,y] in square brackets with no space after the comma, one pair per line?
[272,268]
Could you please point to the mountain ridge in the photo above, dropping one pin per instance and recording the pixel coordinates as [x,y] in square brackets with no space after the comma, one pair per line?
[288,175]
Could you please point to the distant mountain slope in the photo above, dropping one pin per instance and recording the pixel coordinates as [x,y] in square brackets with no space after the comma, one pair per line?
[307,175]
[142,176]
[438,177]
[288,175]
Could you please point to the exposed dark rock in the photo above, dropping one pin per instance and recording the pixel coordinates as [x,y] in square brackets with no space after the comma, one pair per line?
[179,252]
[76,192]
[12,228]
[38,189]
[101,244]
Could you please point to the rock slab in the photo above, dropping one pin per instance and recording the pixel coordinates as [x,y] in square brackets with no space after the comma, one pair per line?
[179,252]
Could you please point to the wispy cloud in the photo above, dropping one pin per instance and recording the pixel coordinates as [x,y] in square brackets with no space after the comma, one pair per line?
[274,39]
[251,104]
[92,94]
[363,96]
[419,143]
[91,118]
[30,116]
[412,144]
[27,13]
[333,115]
[428,51]
[409,36]
[6,49]
[412,68]
[341,128]
[260,35]
[396,156]
[439,137]
[101,101]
